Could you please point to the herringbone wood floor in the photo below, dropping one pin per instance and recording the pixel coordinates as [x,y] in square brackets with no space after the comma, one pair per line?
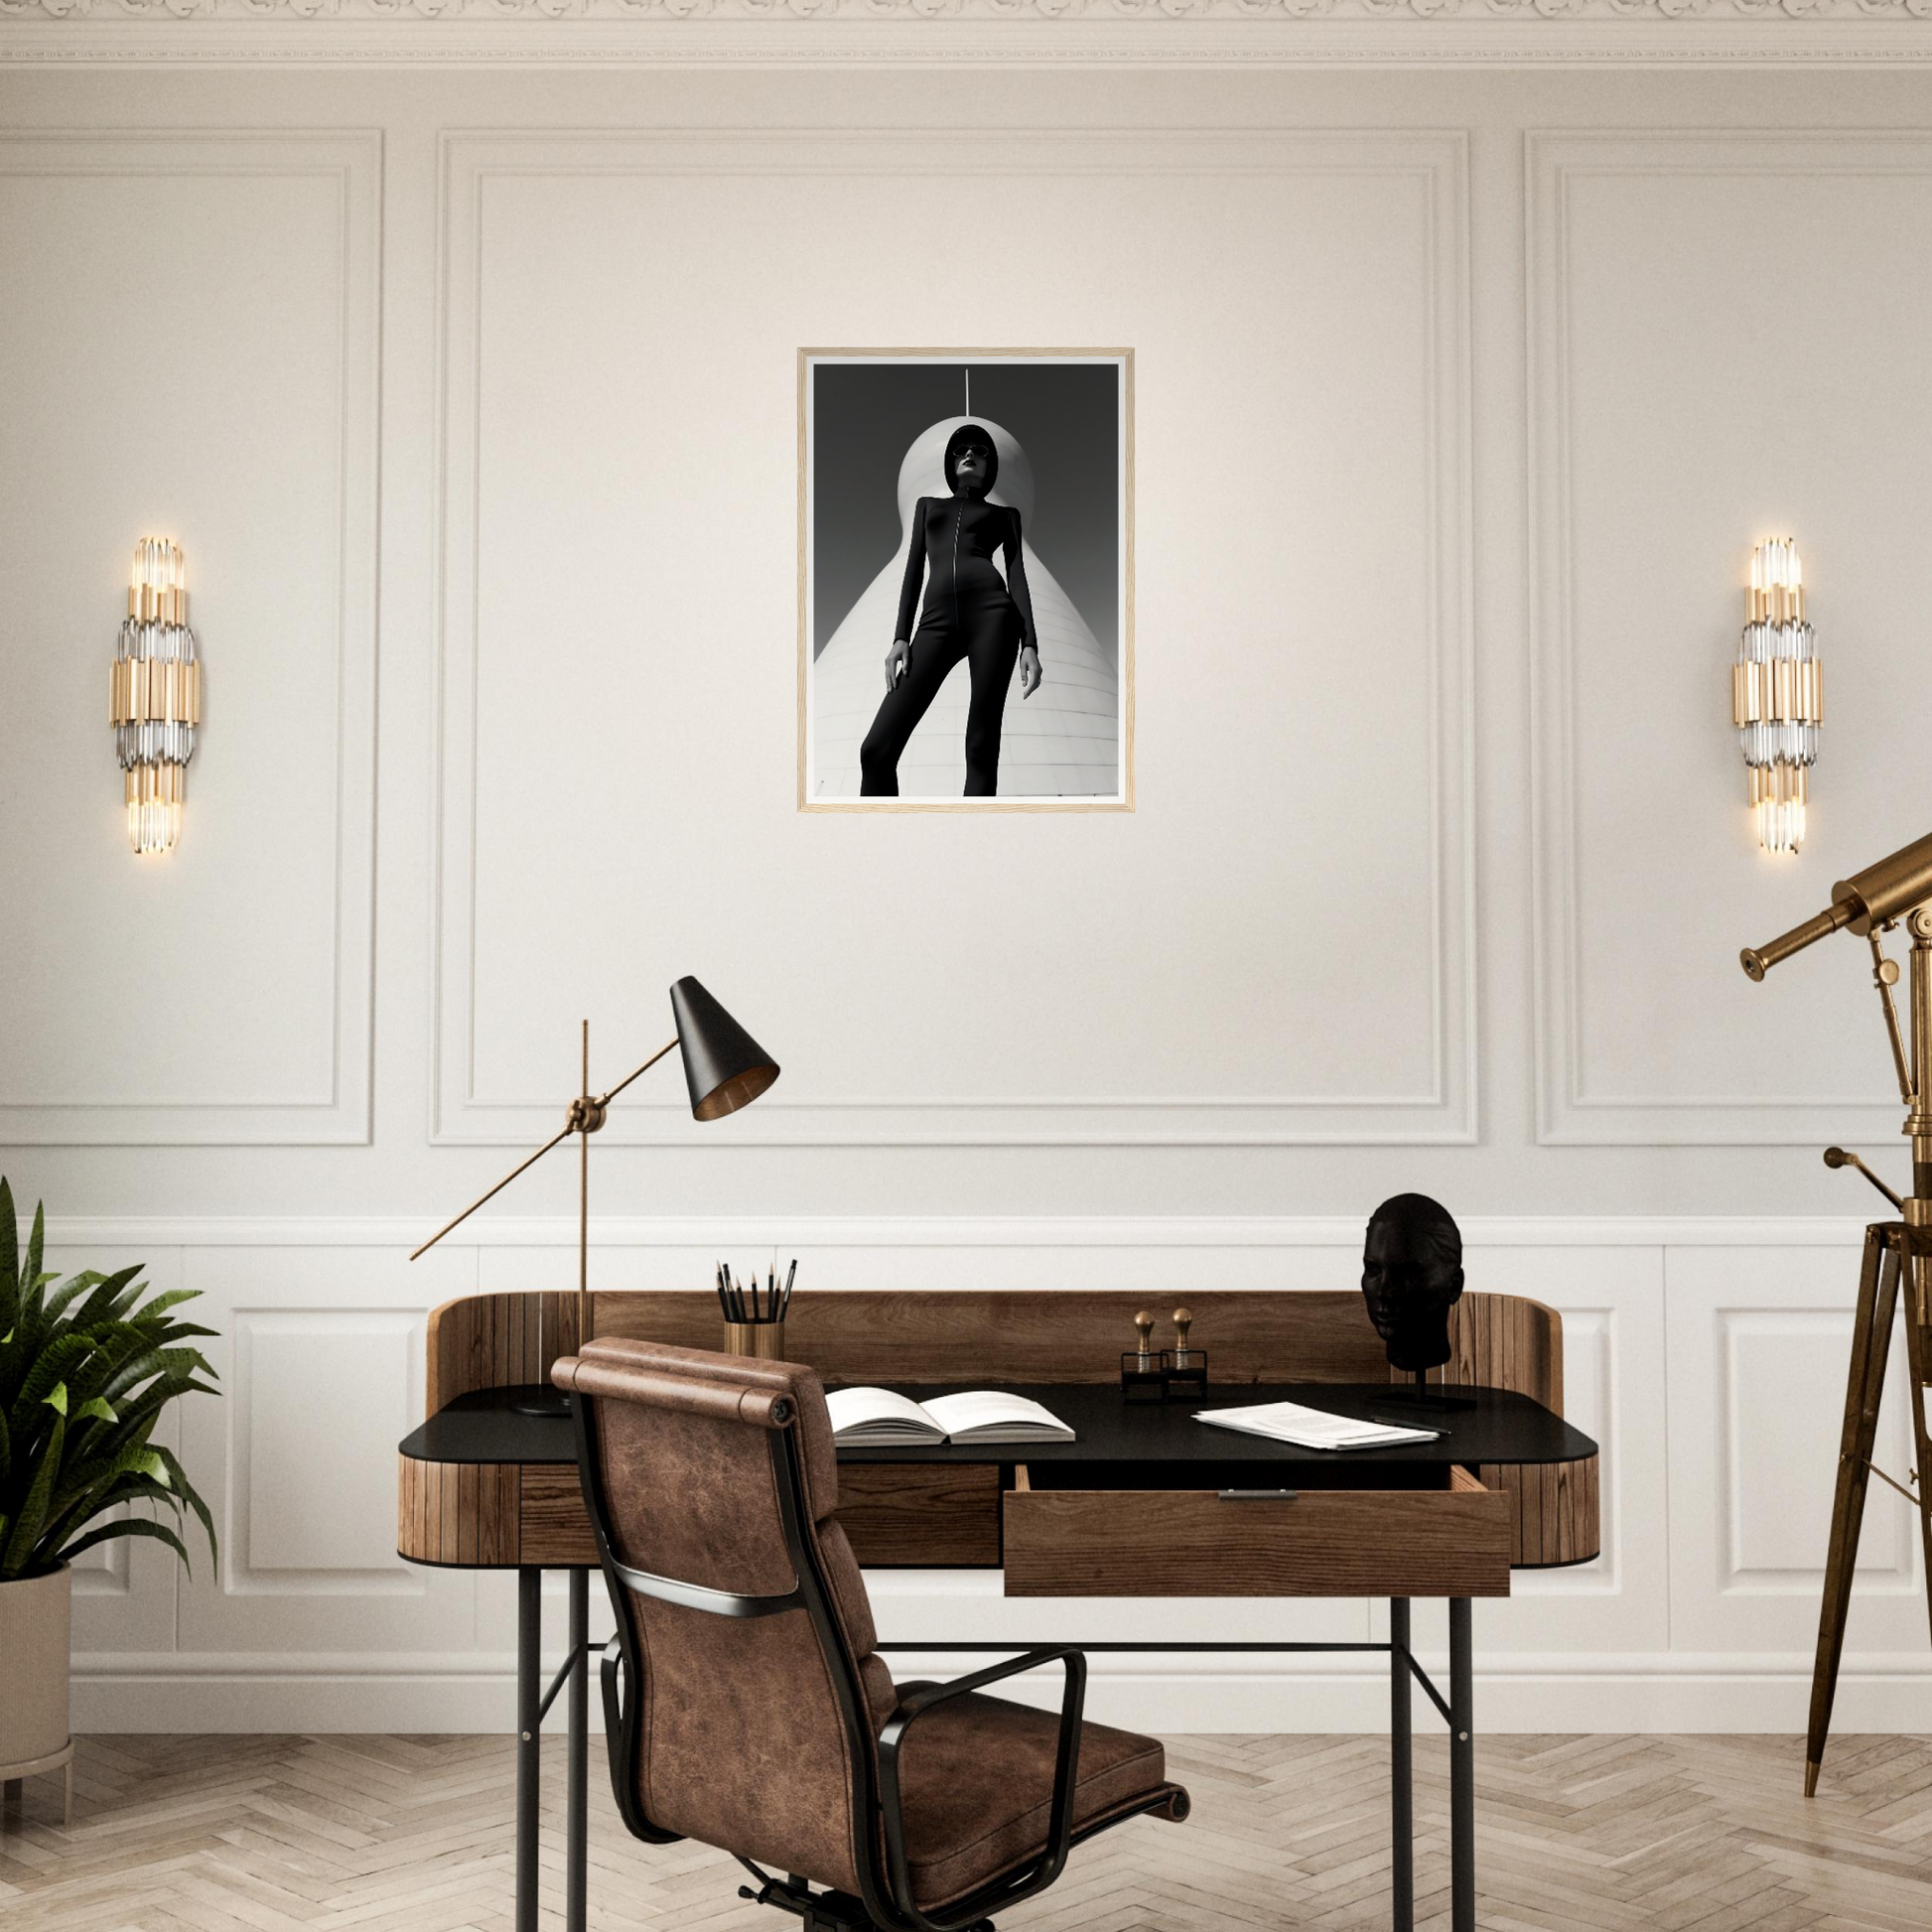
[1663,1834]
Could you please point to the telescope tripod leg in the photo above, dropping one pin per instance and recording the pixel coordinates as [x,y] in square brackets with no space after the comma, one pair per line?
[1871,1345]
[1918,1357]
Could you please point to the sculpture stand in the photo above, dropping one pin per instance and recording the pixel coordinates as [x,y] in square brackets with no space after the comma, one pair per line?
[1426,1402]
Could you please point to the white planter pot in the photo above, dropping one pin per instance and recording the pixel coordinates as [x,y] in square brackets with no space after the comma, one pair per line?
[35,1621]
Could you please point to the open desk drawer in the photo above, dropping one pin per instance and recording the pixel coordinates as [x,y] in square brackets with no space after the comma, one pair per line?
[1444,1535]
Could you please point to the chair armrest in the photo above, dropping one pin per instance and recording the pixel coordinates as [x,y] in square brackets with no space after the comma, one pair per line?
[1067,1764]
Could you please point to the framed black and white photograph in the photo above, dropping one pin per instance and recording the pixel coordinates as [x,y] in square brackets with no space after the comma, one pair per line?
[965,579]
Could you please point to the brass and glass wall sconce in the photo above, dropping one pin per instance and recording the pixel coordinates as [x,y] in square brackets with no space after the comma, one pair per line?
[155,700]
[1777,694]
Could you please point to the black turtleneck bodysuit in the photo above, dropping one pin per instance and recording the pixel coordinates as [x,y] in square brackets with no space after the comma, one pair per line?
[969,612]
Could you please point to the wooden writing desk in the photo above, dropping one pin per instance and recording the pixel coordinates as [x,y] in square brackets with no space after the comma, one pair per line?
[1132,1508]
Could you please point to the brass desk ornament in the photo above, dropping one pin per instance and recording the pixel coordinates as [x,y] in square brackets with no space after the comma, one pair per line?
[1870,904]
[1140,1367]
[1184,1368]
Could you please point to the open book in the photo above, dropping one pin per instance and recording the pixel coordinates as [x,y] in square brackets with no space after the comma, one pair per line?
[1289,1422]
[879,1419]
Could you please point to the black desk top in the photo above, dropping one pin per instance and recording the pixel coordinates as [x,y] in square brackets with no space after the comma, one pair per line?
[1499,1427]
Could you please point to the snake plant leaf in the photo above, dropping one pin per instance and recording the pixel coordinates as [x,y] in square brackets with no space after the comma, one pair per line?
[178,1477]
[137,1368]
[60,1359]
[18,1552]
[130,1526]
[115,1345]
[105,1292]
[29,1275]
[85,1491]
[65,1297]
[138,1412]
[172,1298]
[70,1513]
[9,1258]
[95,1410]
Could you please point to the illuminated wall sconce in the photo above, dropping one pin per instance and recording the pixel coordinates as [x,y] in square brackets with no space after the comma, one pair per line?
[155,698]
[1777,694]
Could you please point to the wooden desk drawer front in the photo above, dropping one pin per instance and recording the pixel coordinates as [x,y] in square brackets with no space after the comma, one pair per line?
[919,1514]
[1452,1541]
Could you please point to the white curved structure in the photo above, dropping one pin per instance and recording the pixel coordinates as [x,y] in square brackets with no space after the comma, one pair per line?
[1064,742]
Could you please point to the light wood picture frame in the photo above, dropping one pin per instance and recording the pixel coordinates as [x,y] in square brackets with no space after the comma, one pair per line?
[876,429]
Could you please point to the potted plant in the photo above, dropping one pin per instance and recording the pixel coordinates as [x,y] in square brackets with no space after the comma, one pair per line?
[86,1370]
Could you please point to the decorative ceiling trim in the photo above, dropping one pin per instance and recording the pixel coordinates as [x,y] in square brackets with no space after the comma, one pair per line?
[1178,12]
[1339,33]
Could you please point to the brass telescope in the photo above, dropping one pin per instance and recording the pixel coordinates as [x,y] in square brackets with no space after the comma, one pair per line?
[1875,896]
[1897,1253]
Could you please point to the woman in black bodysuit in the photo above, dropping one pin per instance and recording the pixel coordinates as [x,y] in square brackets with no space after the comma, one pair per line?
[969,614]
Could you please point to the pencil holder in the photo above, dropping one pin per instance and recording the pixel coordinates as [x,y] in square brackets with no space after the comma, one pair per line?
[765,1339]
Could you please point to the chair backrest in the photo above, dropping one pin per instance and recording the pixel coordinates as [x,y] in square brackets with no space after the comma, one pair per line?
[711,1480]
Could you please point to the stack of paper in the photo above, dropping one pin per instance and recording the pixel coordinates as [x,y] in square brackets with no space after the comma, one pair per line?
[1289,1421]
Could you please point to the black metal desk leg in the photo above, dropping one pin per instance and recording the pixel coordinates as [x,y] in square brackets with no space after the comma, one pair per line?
[1402,1811]
[529,1738]
[1463,1772]
[580,1744]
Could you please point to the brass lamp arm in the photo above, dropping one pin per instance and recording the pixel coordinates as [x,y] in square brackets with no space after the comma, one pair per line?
[575,1124]
[605,1100]
[562,1133]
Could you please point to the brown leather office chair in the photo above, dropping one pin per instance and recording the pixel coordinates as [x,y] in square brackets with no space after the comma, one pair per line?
[753,1711]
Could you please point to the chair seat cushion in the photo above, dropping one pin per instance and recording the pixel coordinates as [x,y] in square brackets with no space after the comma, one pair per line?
[976,1785]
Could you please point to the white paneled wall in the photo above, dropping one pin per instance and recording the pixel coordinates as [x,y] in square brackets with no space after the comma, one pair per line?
[1709,1370]
[470,392]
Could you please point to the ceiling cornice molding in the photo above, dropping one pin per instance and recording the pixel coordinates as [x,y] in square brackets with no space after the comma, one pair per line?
[967,32]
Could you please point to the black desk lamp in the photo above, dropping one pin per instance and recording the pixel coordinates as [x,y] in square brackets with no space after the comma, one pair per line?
[725,1070]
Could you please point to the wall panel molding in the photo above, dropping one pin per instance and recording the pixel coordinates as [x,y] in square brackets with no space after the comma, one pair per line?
[1568,1113]
[1437,162]
[804,1233]
[351,160]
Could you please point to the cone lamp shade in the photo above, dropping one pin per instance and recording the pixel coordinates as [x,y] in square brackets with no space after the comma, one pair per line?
[725,1068]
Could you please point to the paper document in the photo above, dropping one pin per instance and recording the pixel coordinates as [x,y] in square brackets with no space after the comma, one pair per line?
[1289,1421]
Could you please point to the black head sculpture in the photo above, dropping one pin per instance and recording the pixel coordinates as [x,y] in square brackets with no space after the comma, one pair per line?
[1412,1276]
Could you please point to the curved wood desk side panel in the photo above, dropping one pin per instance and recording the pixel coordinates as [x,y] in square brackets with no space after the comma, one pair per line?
[1508,1341]
[1504,1341]
[479,1341]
